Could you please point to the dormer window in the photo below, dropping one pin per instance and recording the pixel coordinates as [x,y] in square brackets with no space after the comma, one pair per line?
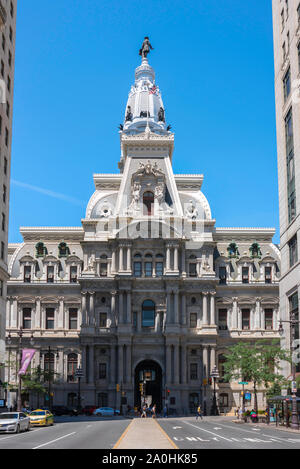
[222,275]
[233,250]
[27,273]
[73,274]
[148,203]
[50,274]
[268,274]
[41,250]
[63,250]
[245,274]
[255,250]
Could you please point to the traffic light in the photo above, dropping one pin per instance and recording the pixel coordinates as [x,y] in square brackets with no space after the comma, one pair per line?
[142,388]
[118,387]
[204,382]
[210,381]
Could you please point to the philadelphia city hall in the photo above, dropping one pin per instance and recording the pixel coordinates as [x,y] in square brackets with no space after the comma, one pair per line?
[148,291]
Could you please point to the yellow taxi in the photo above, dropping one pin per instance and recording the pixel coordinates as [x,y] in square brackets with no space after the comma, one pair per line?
[40,418]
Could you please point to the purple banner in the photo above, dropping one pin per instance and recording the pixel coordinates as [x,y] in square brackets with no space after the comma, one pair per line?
[27,355]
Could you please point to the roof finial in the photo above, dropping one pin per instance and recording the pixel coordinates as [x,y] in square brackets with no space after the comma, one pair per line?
[144,51]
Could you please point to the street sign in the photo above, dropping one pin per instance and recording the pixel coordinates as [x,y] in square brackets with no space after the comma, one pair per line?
[294,386]
[243,382]
[79,373]
[248,396]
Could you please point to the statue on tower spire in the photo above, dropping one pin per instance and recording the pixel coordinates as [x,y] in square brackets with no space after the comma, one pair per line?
[144,51]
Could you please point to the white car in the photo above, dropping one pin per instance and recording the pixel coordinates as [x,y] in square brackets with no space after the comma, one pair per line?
[106,411]
[14,422]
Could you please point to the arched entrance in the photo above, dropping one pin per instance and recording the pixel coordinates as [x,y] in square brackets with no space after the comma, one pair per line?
[148,375]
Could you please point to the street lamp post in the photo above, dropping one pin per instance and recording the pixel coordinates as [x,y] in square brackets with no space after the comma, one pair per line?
[79,374]
[293,322]
[214,375]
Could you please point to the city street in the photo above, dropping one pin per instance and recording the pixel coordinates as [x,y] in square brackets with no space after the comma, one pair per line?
[185,432]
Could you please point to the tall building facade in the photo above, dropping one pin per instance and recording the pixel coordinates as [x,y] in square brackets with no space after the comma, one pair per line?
[286,25]
[148,294]
[7,59]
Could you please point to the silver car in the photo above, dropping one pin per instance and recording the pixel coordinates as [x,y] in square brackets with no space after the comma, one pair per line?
[14,422]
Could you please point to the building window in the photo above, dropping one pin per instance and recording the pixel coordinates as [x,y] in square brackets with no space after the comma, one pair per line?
[2,250]
[50,318]
[291,189]
[282,20]
[148,269]
[222,275]
[12,10]
[26,318]
[3,221]
[27,274]
[73,318]
[223,320]
[137,269]
[293,250]
[148,203]
[221,367]
[102,370]
[223,401]
[63,250]
[40,250]
[72,367]
[103,269]
[268,274]
[294,314]
[9,58]
[49,362]
[103,319]
[245,319]
[73,274]
[192,269]
[193,320]
[245,274]
[287,84]
[6,137]
[269,319]
[50,274]
[148,314]
[4,193]
[193,370]
[5,166]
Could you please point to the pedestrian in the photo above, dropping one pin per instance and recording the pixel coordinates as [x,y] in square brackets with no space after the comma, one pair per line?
[154,411]
[199,413]
[241,413]
[165,411]
[144,411]
[237,412]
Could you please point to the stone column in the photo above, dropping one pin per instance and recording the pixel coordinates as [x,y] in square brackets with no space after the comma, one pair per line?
[121,263]
[168,307]
[183,310]
[205,361]
[8,313]
[175,258]
[37,324]
[183,268]
[113,262]
[176,364]
[239,314]
[91,364]
[212,309]
[168,258]
[83,363]
[157,321]
[92,320]
[183,364]
[263,322]
[128,364]
[120,364]
[128,259]
[176,308]
[212,357]
[128,307]
[113,308]
[204,309]
[14,315]
[83,308]
[60,317]
[112,364]
[234,314]
[121,309]
[257,321]
[168,364]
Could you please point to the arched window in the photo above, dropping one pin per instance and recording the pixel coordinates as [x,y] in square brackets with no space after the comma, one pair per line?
[63,250]
[148,313]
[159,265]
[137,265]
[72,367]
[49,360]
[148,265]
[148,202]
[41,250]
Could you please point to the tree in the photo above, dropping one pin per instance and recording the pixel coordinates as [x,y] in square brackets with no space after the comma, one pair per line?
[258,363]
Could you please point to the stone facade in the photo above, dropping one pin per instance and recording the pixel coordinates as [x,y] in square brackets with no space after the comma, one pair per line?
[148,289]
[7,60]
[286,25]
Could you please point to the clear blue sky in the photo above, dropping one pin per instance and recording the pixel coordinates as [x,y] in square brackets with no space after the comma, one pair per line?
[75,63]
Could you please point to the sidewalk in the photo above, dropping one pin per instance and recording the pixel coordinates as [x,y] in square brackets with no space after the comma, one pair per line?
[144,434]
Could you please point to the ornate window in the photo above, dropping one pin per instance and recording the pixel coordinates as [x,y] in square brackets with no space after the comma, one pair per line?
[63,250]
[233,250]
[49,362]
[148,313]
[194,371]
[222,275]
[148,265]
[73,274]
[50,313]
[246,319]
[26,318]
[72,366]
[193,266]
[148,203]
[50,274]
[137,265]
[40,250]
[223,320]
[102,370]
[159,265]
[27,273]
[73,318]
[268,274]
[193,320]
[269,319]
[245,274]
[103,320]
[255,250]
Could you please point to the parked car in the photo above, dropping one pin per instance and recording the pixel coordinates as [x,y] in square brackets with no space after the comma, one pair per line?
[106,412]
[89,409]
[40,417]
[60,410]
[14,422]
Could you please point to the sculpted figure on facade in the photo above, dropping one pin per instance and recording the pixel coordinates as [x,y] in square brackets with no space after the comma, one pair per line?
[159,193]
[191,211]
[145,49]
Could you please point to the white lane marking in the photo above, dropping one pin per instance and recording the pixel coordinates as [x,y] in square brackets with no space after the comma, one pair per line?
[53,441]
[21,434]
[217,428]
[175,428]
[212,433]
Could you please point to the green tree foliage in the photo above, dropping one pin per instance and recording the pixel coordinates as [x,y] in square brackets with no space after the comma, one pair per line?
[258,363]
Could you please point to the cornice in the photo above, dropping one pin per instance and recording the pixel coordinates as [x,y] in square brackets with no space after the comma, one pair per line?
[52,233]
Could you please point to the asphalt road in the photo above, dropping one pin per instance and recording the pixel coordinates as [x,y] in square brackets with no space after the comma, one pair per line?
[69,433]
[222,433]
